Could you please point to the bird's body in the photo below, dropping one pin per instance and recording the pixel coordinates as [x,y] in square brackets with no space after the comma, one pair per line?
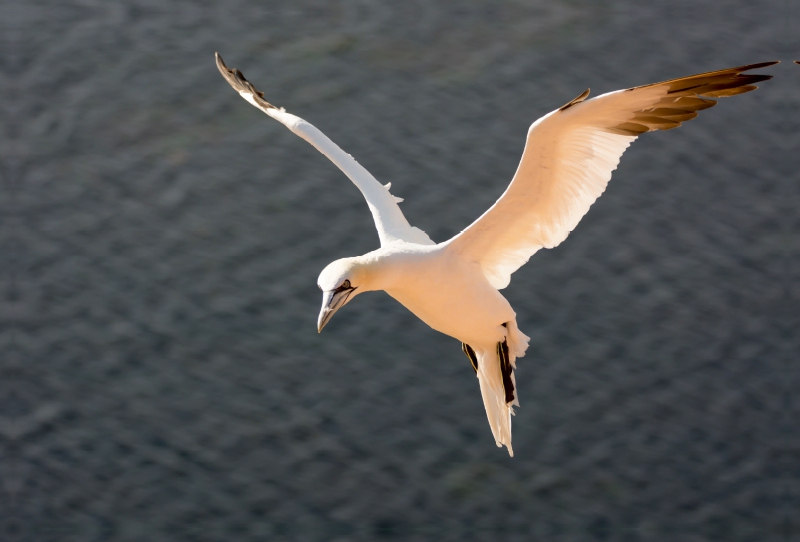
[445,291]
[454,286]
[452,295]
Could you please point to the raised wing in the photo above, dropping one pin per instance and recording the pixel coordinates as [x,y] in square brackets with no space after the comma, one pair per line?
[568,159]
[389,219]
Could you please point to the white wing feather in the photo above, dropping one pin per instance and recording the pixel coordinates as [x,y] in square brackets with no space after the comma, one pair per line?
[568,160]
[389,219]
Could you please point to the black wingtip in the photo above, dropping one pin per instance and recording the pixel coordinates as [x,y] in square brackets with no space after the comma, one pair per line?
[237,80]
[759,65]
[225,71]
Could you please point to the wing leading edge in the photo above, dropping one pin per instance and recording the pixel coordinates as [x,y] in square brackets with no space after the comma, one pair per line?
[389,219]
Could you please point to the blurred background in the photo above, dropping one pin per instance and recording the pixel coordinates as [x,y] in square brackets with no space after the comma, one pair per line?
[161,376]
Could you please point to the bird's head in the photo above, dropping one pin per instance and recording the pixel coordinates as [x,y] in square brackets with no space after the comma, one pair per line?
[340,282]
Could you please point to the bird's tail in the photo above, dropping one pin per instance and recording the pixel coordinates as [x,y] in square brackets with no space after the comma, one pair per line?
[497,410]
[499,386]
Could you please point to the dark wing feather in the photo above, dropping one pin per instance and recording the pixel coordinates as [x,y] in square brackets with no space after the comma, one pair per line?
[236,79]
[683,98]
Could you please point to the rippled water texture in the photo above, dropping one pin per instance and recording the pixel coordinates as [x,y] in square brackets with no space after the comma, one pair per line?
[162,377]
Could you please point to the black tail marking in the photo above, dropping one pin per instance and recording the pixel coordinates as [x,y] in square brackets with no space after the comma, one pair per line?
[473,359]
[506,370]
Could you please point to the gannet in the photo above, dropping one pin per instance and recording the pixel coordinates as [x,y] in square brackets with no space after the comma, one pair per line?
[454,286]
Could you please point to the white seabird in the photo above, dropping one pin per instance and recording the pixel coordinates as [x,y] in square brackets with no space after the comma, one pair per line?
[454,286]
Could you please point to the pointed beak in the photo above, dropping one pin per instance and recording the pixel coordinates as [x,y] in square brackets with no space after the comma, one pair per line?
[331,302]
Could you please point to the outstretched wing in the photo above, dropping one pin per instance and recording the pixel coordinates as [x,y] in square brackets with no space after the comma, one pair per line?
[389,219]
[568,159]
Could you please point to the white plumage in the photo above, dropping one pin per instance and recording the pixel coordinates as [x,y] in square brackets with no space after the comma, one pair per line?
[454,286]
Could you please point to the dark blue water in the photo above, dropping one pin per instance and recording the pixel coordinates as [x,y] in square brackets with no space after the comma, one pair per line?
[162,378]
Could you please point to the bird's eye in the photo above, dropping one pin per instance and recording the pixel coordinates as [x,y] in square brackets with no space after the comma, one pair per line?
[345,285]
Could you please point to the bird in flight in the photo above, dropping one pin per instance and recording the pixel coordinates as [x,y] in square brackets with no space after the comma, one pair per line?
[454,286]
